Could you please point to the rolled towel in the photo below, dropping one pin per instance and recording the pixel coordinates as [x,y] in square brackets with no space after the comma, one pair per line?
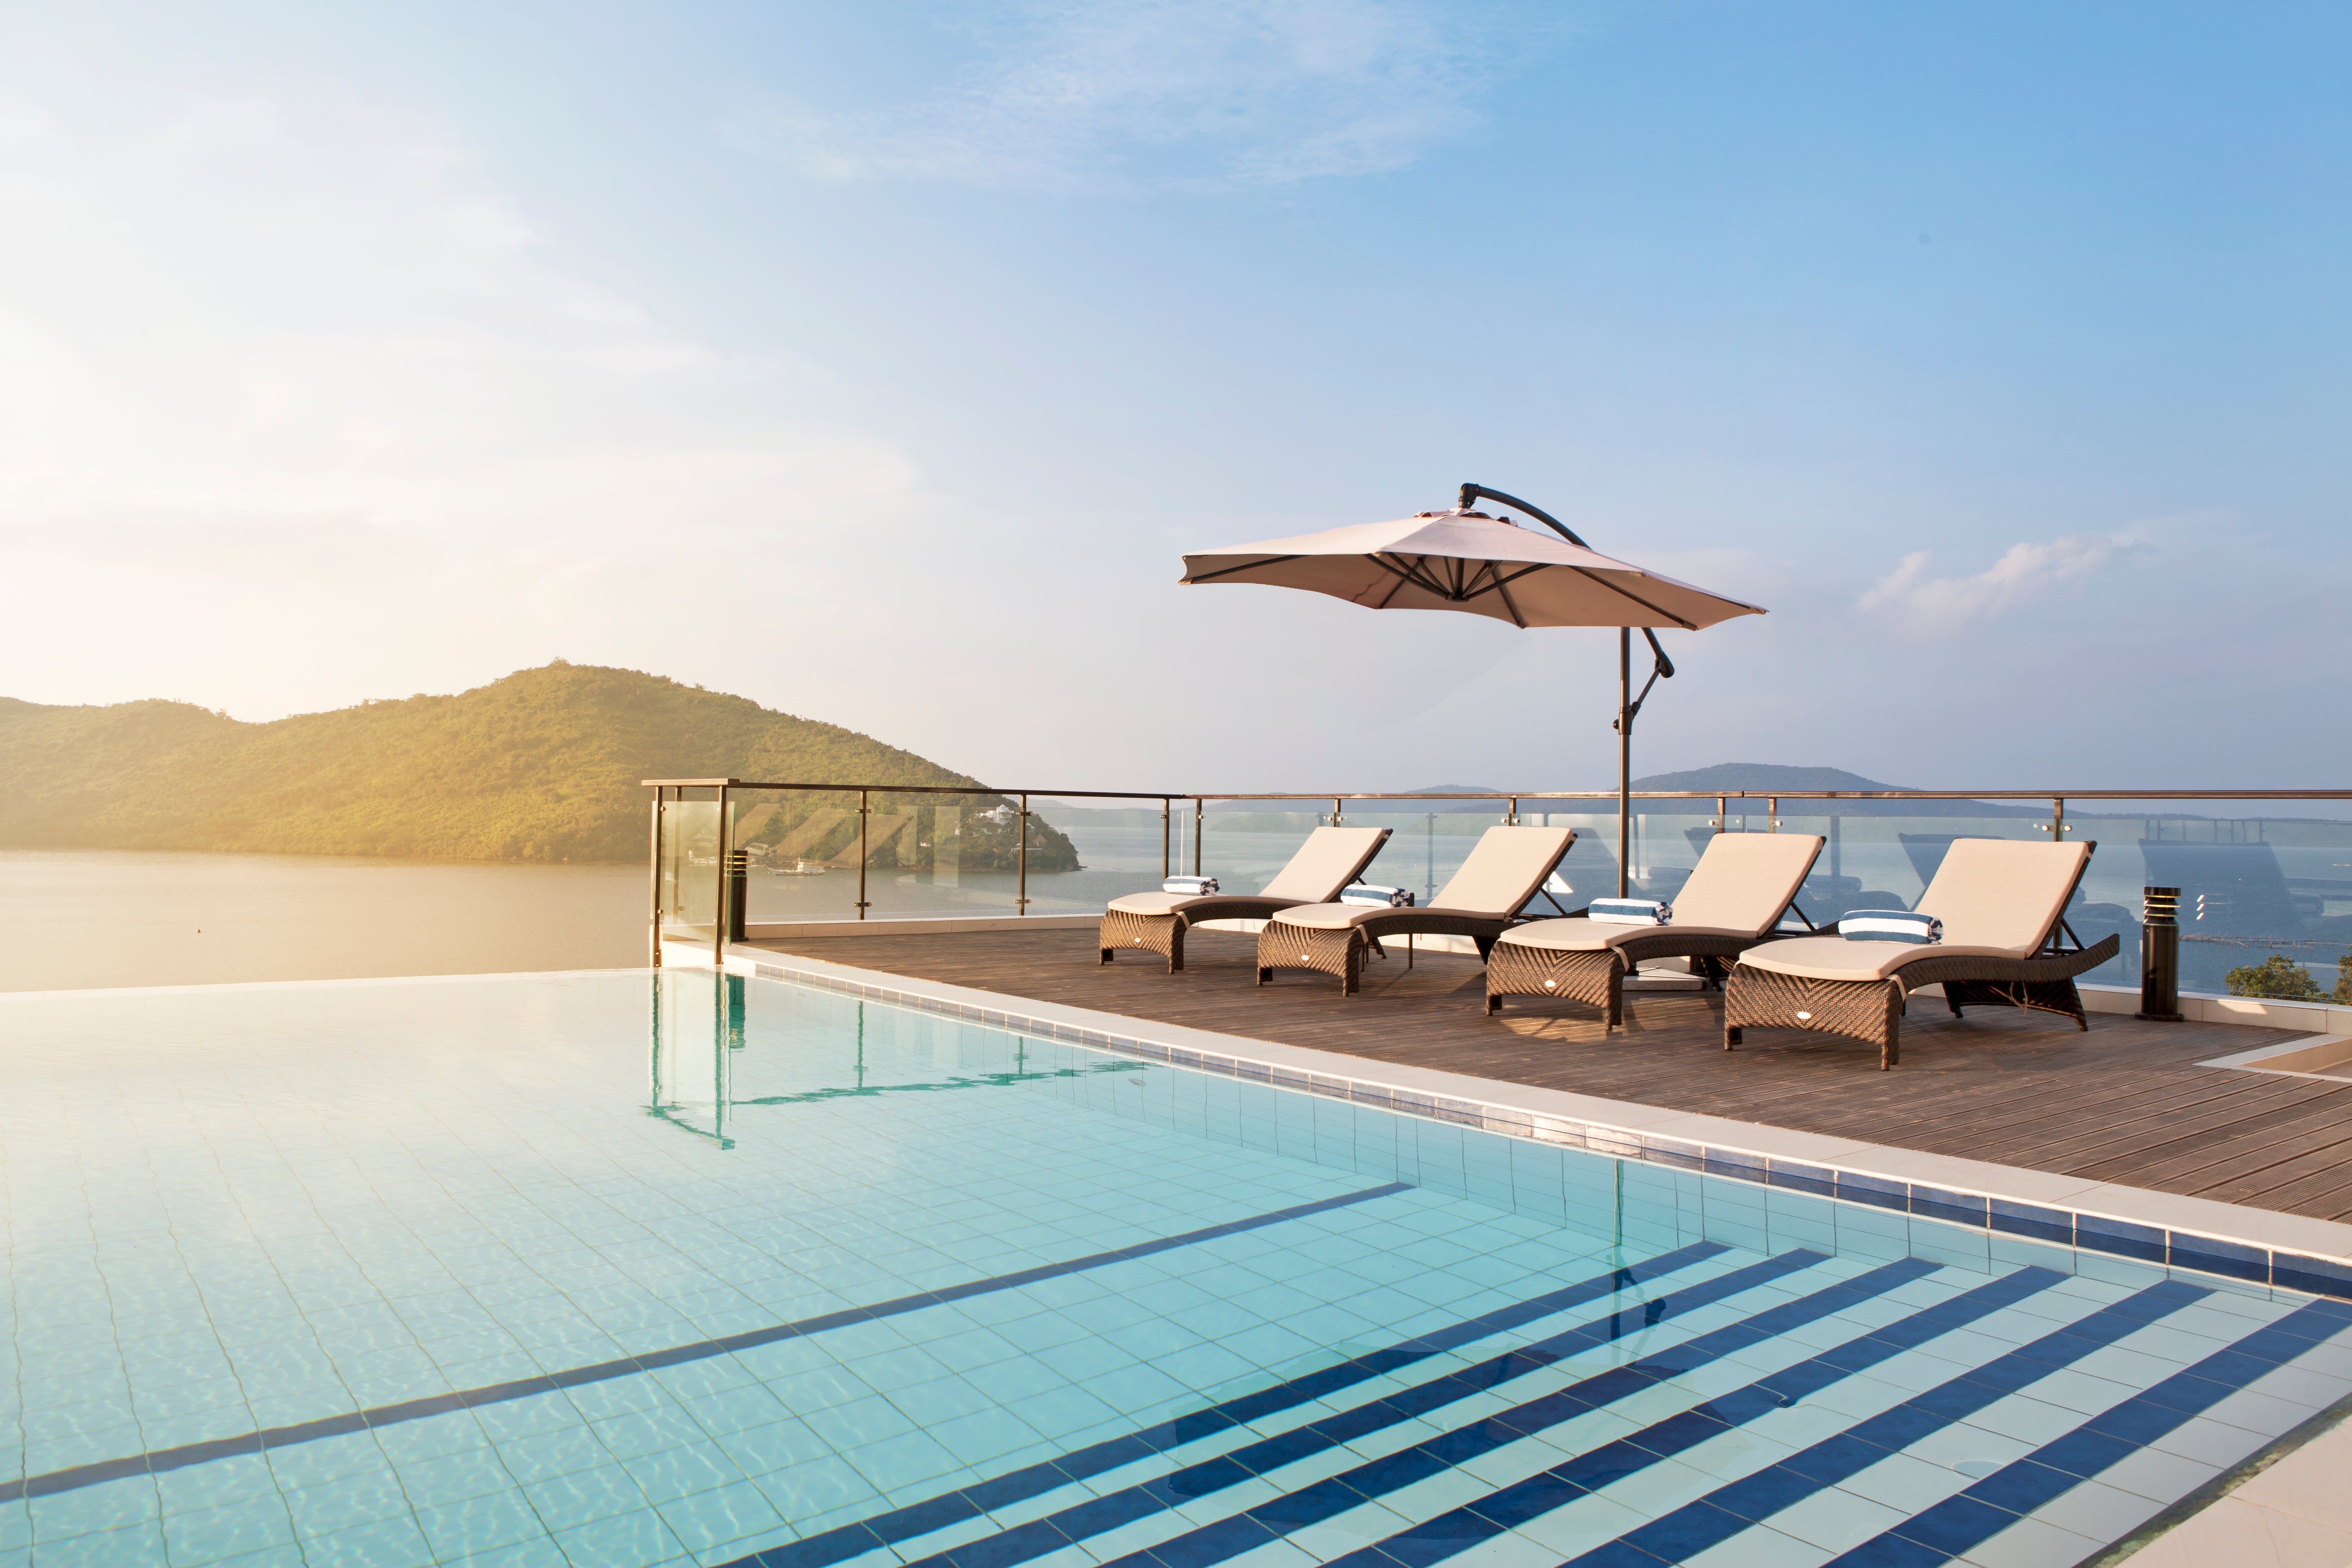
[1380,897]
[1889,925]
[1190,887]
[1633,911]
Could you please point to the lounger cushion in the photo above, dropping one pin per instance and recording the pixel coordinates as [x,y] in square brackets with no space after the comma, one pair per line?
[1326,862]
[1338,917]
[1504,870]
[1330,860]
[1836,958]
[2002,894]
[1151,903]
[1589,935]
[1743,880]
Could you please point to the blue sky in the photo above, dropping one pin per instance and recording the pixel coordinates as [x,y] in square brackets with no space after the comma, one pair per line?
[879,362]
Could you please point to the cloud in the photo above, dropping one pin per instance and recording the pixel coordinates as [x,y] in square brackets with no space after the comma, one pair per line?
[301,400]
[1198,93]
[1930,608]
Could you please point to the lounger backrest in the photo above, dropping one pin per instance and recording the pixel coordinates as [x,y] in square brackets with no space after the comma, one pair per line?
[1504,869]
[1330,860]
[1744,881]
[1998,893]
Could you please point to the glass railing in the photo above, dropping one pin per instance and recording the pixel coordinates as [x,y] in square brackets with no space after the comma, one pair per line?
[2260,877]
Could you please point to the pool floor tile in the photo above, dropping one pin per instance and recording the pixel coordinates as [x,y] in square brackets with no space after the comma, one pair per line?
[491,1234]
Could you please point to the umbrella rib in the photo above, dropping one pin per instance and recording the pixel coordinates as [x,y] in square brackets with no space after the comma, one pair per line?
[1417,574]
[1503,591]
[1244,566]
[1654,609]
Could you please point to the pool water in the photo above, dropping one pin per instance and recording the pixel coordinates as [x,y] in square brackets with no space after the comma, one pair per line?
[611,1269]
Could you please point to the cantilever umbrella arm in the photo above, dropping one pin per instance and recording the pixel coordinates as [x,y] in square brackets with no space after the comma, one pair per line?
[1628,704]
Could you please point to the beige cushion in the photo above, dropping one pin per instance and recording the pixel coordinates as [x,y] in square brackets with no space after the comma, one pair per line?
[1330,860]
[1333,917]
[1150,904]
[1590,935]
[2001,895]
[1744,881]
[1504,869]
[1836,958]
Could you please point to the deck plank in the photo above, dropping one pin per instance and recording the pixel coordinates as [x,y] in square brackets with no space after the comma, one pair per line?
[2124,1102]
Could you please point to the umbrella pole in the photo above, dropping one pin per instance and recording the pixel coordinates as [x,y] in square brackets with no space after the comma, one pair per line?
[1624,756]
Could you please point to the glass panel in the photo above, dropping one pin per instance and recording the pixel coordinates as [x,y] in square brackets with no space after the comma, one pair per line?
[1085,853]
[2252,888]
[688,865]
[1245,848]
[800,847]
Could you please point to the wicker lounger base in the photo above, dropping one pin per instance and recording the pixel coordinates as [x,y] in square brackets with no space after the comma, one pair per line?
[1871,1011]
[1597,975]
[1340,953]
[1162,934]
[1165,934]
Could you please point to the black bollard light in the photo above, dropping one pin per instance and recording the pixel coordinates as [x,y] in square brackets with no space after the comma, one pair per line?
[2159,954]
[739,892]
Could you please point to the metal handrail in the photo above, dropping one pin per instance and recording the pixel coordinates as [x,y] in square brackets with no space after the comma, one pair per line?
[1535,794]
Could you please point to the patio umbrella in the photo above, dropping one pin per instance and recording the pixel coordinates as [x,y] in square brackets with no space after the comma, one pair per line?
[1483,564]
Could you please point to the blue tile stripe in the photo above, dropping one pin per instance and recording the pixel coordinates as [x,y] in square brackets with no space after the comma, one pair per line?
[1437,1539]
[1111,1510]
[1237,1533]
[1727,1510]
[158,1460]
[1969,1518]
[844,1541]
[2304,1273]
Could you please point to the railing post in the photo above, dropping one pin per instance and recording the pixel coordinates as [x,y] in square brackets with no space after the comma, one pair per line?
[863,815]
[1771,814]
[1020,860]
[1335,811]
[1164,806]
[1511,815]
[1723,814]
[718,895]
[1197,808]
[653,938]
[2058,819]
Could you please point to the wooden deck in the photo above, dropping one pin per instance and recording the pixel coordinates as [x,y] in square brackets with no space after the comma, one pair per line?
[2124,1102]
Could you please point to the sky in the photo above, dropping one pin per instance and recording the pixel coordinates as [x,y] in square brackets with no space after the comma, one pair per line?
[879,362]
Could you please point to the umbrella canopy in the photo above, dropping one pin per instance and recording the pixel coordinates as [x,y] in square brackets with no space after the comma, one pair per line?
[1469,562]
[1484,565]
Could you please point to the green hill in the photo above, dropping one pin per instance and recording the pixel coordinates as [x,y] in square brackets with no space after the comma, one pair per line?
[543,766]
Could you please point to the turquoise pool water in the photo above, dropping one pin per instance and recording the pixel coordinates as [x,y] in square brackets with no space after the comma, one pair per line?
[599,1271]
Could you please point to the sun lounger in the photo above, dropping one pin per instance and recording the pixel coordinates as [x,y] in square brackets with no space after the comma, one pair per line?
[1736,895]
[1156,922]
[2004,905]
[1505,870]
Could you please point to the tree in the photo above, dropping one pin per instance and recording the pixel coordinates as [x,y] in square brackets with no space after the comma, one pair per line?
[2276,978]
[2344,981]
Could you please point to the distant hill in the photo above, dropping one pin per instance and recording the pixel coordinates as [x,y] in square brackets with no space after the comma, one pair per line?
[543,766]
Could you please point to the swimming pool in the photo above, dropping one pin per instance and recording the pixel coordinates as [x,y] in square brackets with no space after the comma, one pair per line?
[601,1269]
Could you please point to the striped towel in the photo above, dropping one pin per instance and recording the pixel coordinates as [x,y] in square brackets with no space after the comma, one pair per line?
[1370,893]
[1633,911]
[1192,887]
[1889,925]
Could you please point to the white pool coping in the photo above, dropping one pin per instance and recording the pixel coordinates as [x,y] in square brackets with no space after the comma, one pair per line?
[2328,1240]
